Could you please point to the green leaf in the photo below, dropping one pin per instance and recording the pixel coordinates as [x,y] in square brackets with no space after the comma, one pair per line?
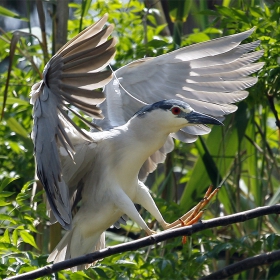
[253,179]
[85,6]
[198,37]
[21,197]
[159,28]
[157,44]
[16,147]
[27,185]
[179,10]
[17,127]
[28,238]
[152,19]
[101,273]
[4,246]
[13,100]
[9,13]
[256,12]
[267,11]
[6,194]
[5,217]
[4,203]
[6,237]
[216,161]
[212,30]
[226,3]
[80,275]
[6,182]
[15,237]
[126,263]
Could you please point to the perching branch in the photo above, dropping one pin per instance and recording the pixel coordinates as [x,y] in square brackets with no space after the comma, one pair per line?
[262,259]
[150,240]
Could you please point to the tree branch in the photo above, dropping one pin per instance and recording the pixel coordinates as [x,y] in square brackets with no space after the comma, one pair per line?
[262,259]
[150,240]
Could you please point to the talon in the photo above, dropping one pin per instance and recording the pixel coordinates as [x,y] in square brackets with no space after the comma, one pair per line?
[151,232]
[195,219]
[182,222]
[184,237]
[208,192]
[213,193]
[194,215]
[208,196]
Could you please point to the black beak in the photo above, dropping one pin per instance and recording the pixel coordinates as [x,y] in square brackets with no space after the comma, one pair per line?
[198,118]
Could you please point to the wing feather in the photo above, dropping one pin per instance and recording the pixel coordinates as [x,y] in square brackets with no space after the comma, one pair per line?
[158,157]
[70,79]
[209,76]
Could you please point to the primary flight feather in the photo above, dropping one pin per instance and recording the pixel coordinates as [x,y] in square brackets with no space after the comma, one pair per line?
[105,170]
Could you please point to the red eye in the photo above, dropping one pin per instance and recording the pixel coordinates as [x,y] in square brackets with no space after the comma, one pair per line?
[175,110]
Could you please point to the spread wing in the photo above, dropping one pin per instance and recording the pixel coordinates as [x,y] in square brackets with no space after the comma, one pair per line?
[209,76]
[70,78]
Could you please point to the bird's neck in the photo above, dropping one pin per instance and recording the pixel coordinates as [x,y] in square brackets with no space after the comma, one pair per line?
[150,136]
[135,142]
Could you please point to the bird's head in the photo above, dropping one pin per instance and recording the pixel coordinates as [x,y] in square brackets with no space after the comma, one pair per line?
[174,115]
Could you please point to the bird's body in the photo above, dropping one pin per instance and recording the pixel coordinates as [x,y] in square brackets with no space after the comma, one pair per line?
[105,171]
[106,198]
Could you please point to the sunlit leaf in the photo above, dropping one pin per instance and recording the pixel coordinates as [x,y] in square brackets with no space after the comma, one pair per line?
[6,217]
[5,237]
[6,182]
[4,203]
[9,13]
[13,100]
[15,237]
[17,127]
[28,238]
[222,147]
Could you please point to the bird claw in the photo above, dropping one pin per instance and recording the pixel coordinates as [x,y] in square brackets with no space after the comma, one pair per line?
[194,215]
[150,232]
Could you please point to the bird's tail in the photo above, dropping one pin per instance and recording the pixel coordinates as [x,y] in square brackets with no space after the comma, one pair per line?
[74,244]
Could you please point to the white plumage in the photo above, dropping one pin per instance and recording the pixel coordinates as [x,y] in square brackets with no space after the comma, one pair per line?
[105,170]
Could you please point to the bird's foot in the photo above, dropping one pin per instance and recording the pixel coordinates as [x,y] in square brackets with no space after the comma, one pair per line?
[150,232]
[194,215]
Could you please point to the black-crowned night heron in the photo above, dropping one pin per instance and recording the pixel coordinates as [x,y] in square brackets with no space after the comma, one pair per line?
[105,170]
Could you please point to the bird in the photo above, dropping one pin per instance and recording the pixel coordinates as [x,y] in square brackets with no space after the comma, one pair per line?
[142,107]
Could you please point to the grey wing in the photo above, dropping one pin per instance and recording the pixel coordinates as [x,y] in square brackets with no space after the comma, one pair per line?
[70,78]
[209,76]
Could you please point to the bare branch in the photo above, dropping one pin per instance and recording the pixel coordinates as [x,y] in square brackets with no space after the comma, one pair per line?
[262,259]
[150,240]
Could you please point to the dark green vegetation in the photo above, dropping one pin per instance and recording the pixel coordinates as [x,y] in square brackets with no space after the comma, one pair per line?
[242,157]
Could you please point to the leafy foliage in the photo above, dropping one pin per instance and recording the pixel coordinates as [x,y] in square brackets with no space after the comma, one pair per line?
[242,158]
